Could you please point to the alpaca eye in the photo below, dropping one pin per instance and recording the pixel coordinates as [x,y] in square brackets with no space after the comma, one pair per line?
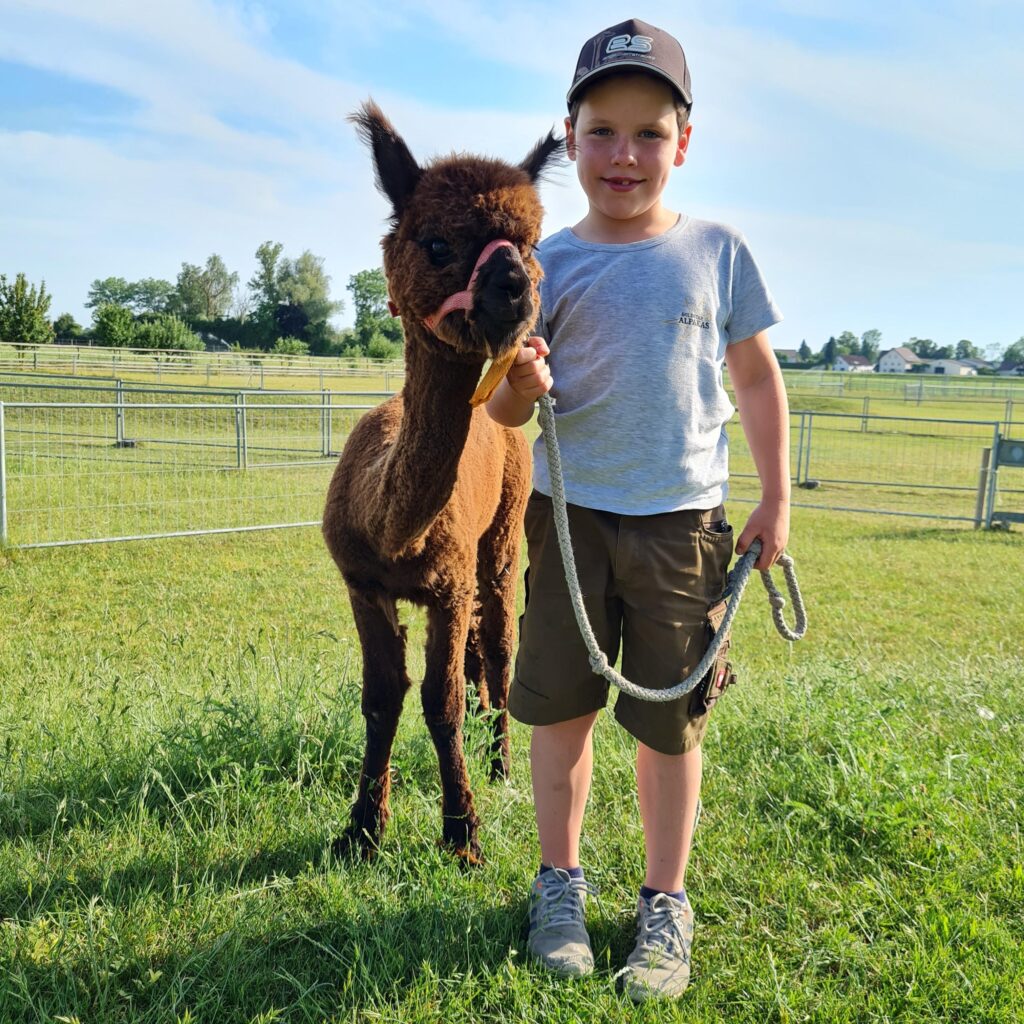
[438,250]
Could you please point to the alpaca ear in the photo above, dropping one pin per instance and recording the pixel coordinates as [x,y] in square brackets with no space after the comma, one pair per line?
[396,169]
[544,157]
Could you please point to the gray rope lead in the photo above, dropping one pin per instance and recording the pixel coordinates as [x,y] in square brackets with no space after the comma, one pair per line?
[736,584]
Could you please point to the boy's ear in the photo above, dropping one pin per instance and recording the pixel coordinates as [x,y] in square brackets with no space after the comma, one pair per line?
[684,143]
[397,172]
[570,140]
[543,157]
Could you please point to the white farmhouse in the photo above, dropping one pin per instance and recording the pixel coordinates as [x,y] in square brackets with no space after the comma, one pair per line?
[899,360]
[853,364]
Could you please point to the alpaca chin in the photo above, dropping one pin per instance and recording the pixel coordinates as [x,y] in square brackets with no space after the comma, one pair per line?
[479,337]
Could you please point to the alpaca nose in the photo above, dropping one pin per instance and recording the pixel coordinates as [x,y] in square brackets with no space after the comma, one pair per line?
[506,275]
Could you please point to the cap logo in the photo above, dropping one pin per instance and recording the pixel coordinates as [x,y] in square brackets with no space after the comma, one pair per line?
[629,44]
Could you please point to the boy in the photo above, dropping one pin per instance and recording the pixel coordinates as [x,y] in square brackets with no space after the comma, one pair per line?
[640,307]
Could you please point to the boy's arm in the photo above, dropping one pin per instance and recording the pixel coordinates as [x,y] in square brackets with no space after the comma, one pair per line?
[512,403]
[764,413]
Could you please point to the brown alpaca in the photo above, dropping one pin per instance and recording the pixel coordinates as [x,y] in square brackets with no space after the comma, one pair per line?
[427,500]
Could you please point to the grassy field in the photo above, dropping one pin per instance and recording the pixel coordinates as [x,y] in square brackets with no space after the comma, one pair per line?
[179,739]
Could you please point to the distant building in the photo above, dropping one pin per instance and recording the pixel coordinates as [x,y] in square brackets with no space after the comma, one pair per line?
[978,364]
[1011,368]
[853,364]
[951,367]
[898,360]
[788,355]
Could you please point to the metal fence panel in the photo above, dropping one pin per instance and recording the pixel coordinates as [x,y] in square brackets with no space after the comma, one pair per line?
[896,465]
[177,468]
[88,471]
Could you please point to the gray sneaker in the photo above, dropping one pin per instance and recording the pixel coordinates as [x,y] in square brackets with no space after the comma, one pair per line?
[659,965]
[558,936]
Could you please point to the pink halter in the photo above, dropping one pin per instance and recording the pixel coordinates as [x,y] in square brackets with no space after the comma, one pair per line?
[464,299]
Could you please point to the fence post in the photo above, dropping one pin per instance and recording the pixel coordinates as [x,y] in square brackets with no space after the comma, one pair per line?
[1009,416]
[3,478]
[807,449]
[993,474]
[261,375]
[238,431]
[864,415]
[800,450]
[119,415]
[979,505]
[325,423]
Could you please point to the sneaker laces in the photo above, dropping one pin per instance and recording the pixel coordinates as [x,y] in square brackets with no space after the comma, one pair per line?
[559,899]
[663,927]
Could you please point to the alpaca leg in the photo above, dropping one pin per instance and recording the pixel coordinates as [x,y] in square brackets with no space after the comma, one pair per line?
[444,708]
[497,643]
[475,669]
[384,686]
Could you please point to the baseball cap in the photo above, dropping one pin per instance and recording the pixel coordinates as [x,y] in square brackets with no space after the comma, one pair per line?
[632,44]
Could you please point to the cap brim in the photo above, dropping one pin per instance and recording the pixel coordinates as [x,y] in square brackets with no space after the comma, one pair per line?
[610,68]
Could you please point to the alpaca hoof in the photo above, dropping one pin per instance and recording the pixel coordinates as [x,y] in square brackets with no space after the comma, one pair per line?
[460,837]
[501,769]
[355,843]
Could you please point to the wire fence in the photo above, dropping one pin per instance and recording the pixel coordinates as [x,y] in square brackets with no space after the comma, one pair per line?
[249,369]
[83,472]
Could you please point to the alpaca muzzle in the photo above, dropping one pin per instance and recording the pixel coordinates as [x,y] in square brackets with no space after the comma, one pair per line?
[463,300]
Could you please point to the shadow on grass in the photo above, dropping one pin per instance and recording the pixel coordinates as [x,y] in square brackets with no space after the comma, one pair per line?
[375,955]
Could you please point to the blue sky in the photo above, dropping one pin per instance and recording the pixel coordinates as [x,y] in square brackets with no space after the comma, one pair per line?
[873,153]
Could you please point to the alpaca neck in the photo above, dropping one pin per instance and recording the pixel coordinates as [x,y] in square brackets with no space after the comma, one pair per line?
[419,475]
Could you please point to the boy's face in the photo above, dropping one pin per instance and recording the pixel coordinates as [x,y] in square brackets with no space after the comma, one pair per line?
[625,143]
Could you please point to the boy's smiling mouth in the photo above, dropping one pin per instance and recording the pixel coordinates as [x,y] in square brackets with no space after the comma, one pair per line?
[622,184]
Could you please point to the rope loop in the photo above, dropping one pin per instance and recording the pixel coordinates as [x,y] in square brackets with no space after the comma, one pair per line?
[735,585]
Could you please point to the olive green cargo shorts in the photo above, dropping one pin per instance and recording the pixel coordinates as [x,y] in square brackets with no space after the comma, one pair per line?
[647,581]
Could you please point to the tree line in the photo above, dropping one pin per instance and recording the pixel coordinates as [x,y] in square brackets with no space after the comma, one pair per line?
[285,307]
[869,345]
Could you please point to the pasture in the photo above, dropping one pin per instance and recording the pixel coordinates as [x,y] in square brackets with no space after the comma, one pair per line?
[181,735]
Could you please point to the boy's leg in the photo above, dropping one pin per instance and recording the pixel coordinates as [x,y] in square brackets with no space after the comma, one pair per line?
[669,787]
[562,760]
[561,757]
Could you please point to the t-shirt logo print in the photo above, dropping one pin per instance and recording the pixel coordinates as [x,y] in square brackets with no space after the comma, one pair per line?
[629,44]
[692,318]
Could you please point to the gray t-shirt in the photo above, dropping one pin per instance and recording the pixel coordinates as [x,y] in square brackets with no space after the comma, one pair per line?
[638,333]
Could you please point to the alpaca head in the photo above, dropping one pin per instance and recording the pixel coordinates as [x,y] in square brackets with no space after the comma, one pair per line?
[445,215]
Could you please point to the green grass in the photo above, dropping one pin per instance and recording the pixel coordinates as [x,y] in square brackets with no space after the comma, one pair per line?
[180,735]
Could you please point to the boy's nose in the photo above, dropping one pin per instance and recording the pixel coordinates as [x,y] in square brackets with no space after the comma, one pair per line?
[623,154]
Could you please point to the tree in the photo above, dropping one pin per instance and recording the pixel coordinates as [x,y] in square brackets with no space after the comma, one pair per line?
[369,290]
[65,327]
[847,343]
[1014,353]
[23,312]
[165,330]
[805,351]
[290,347]
[152,295]
[943,352]
[924,347]
[111,291]
[291,298]
[967,350]
[871,344]
[829,352]
[203,294]
[114,326]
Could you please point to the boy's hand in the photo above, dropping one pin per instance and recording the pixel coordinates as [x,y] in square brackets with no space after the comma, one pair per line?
[530,377]
[769,522]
